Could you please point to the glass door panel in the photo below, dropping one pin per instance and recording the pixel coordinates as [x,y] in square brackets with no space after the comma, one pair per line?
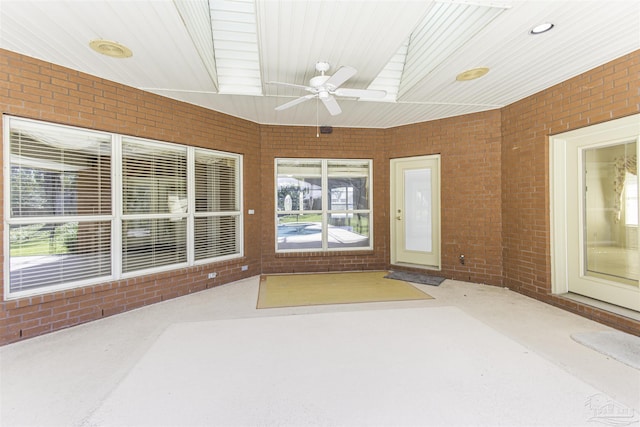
[417,209]
[594,201]
[610,232]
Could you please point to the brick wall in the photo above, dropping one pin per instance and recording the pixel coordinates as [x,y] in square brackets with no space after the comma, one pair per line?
[470,162]
[495,203]
[607,92]
[469,148]
[34,89]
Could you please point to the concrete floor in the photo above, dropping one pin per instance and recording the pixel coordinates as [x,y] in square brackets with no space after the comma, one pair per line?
[108,372]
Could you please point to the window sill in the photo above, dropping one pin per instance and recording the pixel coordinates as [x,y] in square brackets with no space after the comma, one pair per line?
[366,252]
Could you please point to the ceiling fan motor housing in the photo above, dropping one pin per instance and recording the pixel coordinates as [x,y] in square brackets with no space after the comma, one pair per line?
[318,81]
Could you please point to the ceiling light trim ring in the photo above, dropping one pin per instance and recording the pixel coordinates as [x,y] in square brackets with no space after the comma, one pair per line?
[110,48]
[541,28]
[472,74]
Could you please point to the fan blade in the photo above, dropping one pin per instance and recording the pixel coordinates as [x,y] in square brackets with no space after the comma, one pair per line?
[307,88]
[294,102]
[361,93]
[332,105]
[342,75]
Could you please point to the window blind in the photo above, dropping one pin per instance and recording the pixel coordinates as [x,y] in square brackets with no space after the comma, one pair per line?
[217,216]
[60,205]
[61,222]
[154,205]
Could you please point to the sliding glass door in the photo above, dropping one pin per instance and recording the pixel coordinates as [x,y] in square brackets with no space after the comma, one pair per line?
[595,212]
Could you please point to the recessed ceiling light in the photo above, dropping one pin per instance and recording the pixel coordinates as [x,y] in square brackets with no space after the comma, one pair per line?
[541,28]
[474,73]
[109,48]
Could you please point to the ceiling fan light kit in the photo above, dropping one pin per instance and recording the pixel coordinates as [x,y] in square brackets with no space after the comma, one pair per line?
[326,88]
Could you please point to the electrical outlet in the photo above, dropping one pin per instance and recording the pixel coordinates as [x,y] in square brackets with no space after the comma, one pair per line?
[245,267]
[212,275]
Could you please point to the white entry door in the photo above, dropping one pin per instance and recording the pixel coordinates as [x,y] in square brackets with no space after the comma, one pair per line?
[415,212]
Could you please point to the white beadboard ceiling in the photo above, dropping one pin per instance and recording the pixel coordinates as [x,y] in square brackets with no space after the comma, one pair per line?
[222,54]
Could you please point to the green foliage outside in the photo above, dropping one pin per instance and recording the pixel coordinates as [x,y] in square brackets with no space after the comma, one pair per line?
[42,239]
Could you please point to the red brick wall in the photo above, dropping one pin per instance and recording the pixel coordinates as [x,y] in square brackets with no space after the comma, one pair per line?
[469,148]
[290,141]
[607,92]
[471,202]
[495,206]
[39,90]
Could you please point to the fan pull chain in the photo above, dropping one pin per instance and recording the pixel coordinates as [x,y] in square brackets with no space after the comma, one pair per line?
[317,119]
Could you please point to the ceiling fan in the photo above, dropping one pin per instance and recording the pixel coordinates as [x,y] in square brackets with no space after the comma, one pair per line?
[325,87]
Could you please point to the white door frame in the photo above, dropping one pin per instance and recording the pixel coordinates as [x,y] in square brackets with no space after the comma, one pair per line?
[567,257]
[399,254]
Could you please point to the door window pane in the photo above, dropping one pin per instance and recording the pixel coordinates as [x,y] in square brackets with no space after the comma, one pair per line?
[611,244]
[417,210]
[631,199]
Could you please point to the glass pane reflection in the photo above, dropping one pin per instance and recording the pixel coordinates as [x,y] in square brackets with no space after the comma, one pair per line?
[610,235]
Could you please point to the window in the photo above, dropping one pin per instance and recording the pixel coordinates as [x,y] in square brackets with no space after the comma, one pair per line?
[323,204]
[217,205]
[154,204]
[60,206]
[71,220]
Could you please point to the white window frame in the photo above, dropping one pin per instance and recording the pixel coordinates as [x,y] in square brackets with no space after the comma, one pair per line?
[325,212]
[116,216]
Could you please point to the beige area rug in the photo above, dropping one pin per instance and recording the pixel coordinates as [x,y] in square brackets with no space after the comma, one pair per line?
[293,290]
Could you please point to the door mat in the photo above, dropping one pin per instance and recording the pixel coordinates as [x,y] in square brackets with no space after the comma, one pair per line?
[422,279]
[294,290]
[623,347]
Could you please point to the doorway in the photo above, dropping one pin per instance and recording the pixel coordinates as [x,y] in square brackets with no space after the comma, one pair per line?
[415,212]
[595,212]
